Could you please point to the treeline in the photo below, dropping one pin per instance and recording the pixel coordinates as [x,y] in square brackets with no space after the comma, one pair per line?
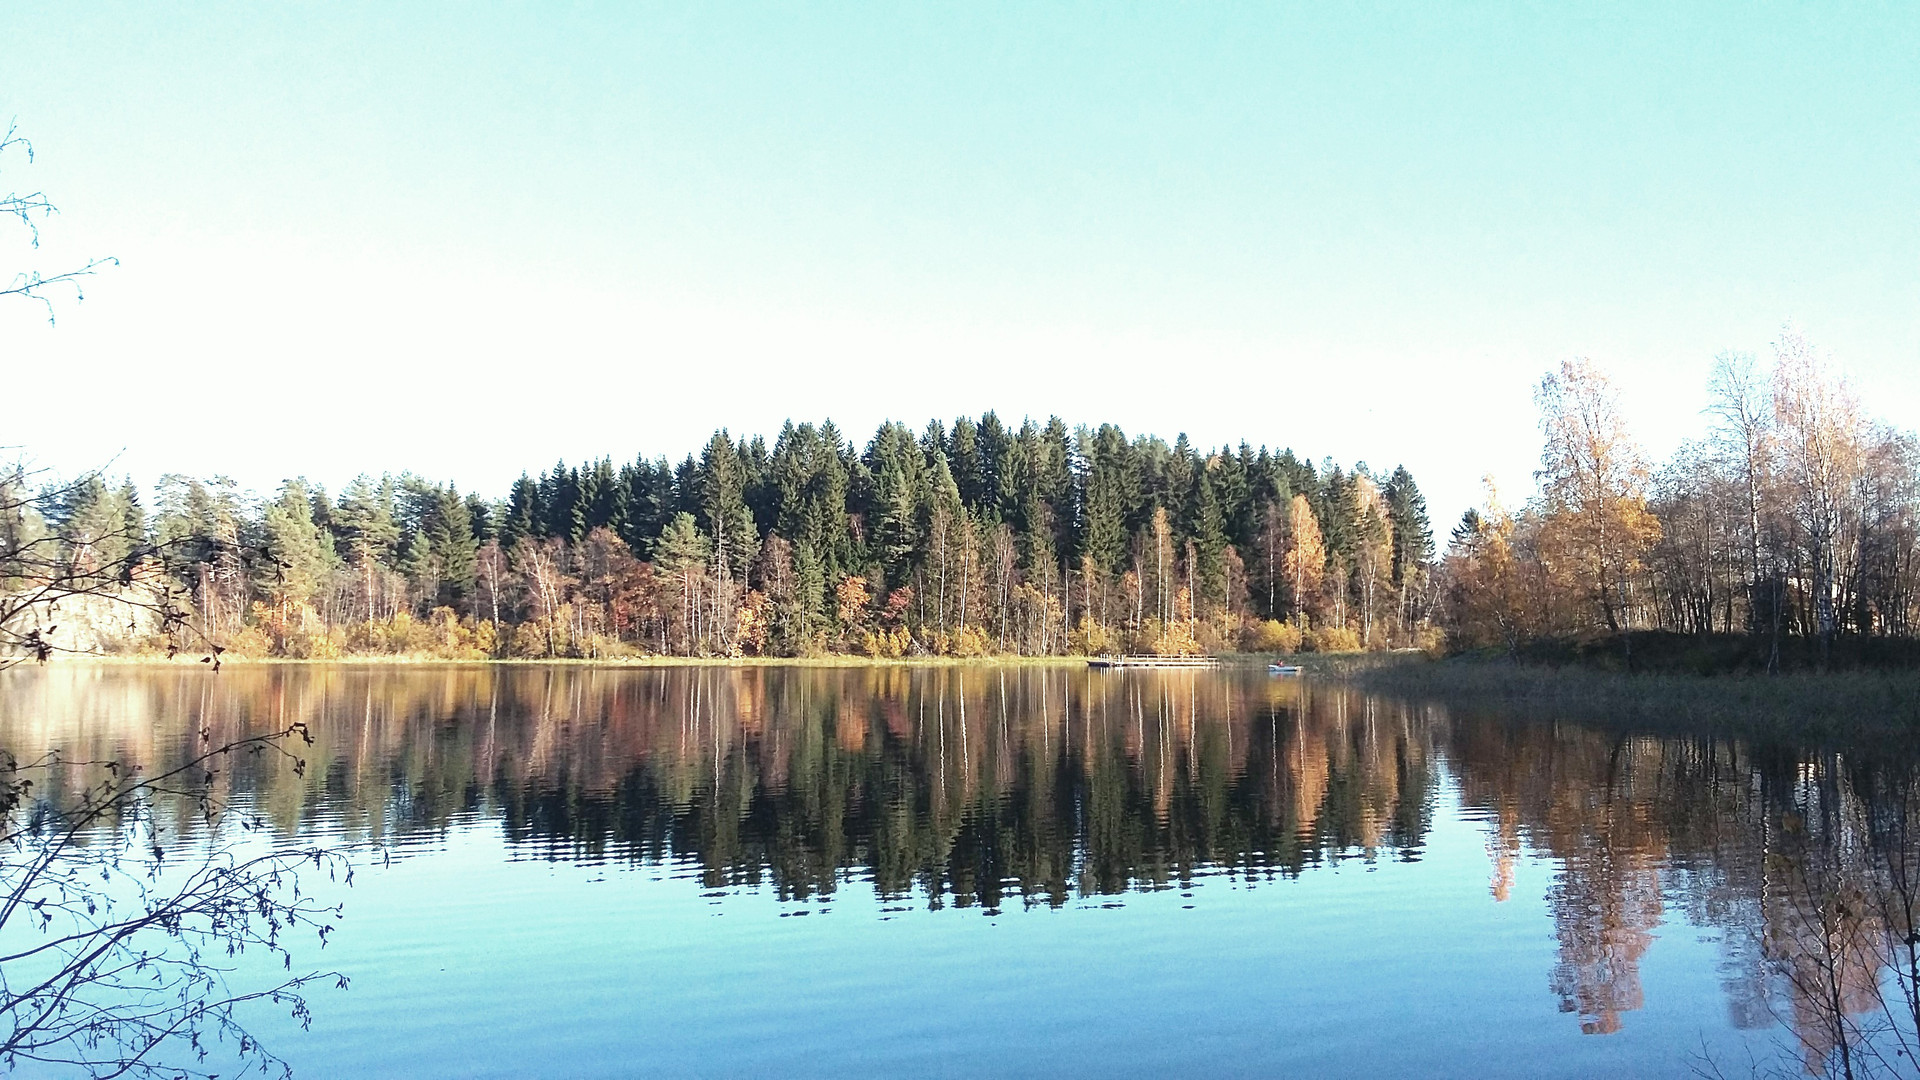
[974,539]
[1796,518]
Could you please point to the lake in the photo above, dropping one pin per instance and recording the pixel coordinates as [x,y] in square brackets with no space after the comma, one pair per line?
[977,871]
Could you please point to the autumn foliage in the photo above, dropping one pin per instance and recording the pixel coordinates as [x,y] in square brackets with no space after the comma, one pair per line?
[1795,517]
[976,539]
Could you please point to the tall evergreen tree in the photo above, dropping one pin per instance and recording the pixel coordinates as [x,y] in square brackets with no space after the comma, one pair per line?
[454,546]
[894,460]
[723,505]
[963,459]
[365,522]
[996,445]
[523,513]
[1109,481]
[1407,517]
[1209,536]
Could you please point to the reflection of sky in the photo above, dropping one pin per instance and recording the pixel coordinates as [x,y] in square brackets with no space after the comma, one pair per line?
[467,962]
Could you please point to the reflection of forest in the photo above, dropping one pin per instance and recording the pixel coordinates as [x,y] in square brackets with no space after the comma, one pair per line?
[984,786]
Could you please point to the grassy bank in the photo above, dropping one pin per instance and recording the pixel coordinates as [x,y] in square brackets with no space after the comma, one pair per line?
[404,660]
[1868,708]
[1662,652]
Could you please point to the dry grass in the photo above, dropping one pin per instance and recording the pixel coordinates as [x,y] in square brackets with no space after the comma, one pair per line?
[1876,709]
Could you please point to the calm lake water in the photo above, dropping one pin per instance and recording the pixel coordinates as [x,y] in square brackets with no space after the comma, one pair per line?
[1033,872]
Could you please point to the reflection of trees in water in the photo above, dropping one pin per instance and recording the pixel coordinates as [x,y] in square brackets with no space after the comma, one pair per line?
[1594,804]
[973,786]
[980,786]
[1803,861]
[970,785]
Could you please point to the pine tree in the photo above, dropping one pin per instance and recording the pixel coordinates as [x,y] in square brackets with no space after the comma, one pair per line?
[1054,473]
[1111,484]
[299,554]
[481,516]
[364,520]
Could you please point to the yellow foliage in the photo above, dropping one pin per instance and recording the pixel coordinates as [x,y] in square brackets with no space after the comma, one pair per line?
[529,641]
[1092,639]
[1430,640]
[1306,559]
[250,641]
[971,642]
[853,597]
[1177,638]
[751,623]
[1276,636]
[1333,639]
[312,645]
[887,643]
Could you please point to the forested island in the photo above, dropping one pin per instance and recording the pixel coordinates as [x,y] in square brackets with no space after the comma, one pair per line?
[1794,519]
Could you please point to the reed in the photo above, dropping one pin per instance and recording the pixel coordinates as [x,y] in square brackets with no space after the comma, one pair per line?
[1875,709]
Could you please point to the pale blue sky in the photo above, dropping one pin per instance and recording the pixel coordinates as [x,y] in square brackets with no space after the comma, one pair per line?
[470,240]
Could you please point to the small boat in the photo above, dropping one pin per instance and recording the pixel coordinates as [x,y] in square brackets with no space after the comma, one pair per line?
[1283,669]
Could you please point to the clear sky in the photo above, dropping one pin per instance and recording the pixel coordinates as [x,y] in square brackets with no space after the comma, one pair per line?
[469,241]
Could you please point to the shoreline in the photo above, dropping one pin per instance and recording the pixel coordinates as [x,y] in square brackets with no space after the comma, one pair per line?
[186,659]
[1332,664]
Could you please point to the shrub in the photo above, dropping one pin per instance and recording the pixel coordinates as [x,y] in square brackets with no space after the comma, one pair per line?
[1275,636]
[1431,640]
[887,643]
[1333,639]
[971,642]
[312,645]
[250,641]
[1092,639]
[529,641]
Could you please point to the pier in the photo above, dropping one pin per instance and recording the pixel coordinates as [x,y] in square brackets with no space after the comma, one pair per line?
[1154,662]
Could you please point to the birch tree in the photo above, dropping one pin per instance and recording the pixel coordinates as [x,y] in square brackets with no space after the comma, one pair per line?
[1593,486]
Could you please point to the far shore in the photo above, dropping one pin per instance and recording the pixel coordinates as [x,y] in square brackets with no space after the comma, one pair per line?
[1319,663]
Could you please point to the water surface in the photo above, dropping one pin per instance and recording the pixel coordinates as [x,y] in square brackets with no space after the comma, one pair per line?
[1027,872]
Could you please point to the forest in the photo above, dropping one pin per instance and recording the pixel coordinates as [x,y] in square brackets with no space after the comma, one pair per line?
[975,539]
[1793,520]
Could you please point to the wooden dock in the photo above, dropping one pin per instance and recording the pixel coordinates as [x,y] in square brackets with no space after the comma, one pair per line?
[1154,662]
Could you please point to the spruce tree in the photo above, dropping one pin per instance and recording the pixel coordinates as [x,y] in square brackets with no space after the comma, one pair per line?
[724,508]
[1407,517]
[523,512]
[455,547]
[963,459]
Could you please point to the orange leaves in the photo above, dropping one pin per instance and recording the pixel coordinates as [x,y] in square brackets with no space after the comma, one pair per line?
[899,602]
[752,620]
[853,596]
